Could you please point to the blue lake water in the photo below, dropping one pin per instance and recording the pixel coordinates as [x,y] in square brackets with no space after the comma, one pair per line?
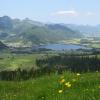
[63,46]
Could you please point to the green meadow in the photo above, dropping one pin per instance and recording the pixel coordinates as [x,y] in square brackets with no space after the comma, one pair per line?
[14,61]
[53,87]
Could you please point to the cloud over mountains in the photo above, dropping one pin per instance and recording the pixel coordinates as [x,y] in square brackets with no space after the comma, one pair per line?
[73,13]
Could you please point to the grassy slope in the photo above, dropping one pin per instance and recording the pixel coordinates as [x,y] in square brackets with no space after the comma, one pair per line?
[12,62]
[24,61]
[46,88]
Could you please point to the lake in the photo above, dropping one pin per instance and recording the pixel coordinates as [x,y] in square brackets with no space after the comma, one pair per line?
[63,46]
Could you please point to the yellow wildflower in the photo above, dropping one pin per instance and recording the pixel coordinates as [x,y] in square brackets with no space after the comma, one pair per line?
[68,84]
[78,74]
[99,86]
[60,91]
[62,81]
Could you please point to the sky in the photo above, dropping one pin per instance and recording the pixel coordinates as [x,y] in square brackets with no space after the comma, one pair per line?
[53,11]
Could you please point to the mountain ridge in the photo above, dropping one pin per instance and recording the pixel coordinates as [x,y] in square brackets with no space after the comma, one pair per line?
[29,32]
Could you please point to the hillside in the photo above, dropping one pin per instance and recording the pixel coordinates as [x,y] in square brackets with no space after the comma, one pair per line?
[27,32]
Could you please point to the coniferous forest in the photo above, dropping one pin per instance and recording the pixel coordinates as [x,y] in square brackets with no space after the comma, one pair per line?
[55,64]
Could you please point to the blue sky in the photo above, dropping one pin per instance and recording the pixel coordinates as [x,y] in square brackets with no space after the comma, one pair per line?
[56,11]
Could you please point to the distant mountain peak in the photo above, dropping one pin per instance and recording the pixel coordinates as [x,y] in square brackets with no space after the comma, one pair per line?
[5,22]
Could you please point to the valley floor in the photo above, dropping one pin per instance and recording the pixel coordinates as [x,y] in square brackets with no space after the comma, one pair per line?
[67,86]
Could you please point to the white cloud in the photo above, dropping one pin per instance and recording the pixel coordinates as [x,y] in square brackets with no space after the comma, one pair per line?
[69,13]
[72,13]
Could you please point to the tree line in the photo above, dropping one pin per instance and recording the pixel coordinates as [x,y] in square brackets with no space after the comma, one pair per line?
[74,63]
[55,64]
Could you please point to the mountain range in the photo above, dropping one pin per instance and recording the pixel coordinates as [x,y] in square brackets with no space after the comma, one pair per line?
[86,30]
[27,32]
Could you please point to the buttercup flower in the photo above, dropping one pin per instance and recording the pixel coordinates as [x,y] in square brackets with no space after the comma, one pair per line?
[60,91]
[78,74]
[62,81]
[99,86]
[68,84]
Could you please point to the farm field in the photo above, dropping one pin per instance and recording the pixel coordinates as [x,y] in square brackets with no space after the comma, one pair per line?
[9,61]
[14,61]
